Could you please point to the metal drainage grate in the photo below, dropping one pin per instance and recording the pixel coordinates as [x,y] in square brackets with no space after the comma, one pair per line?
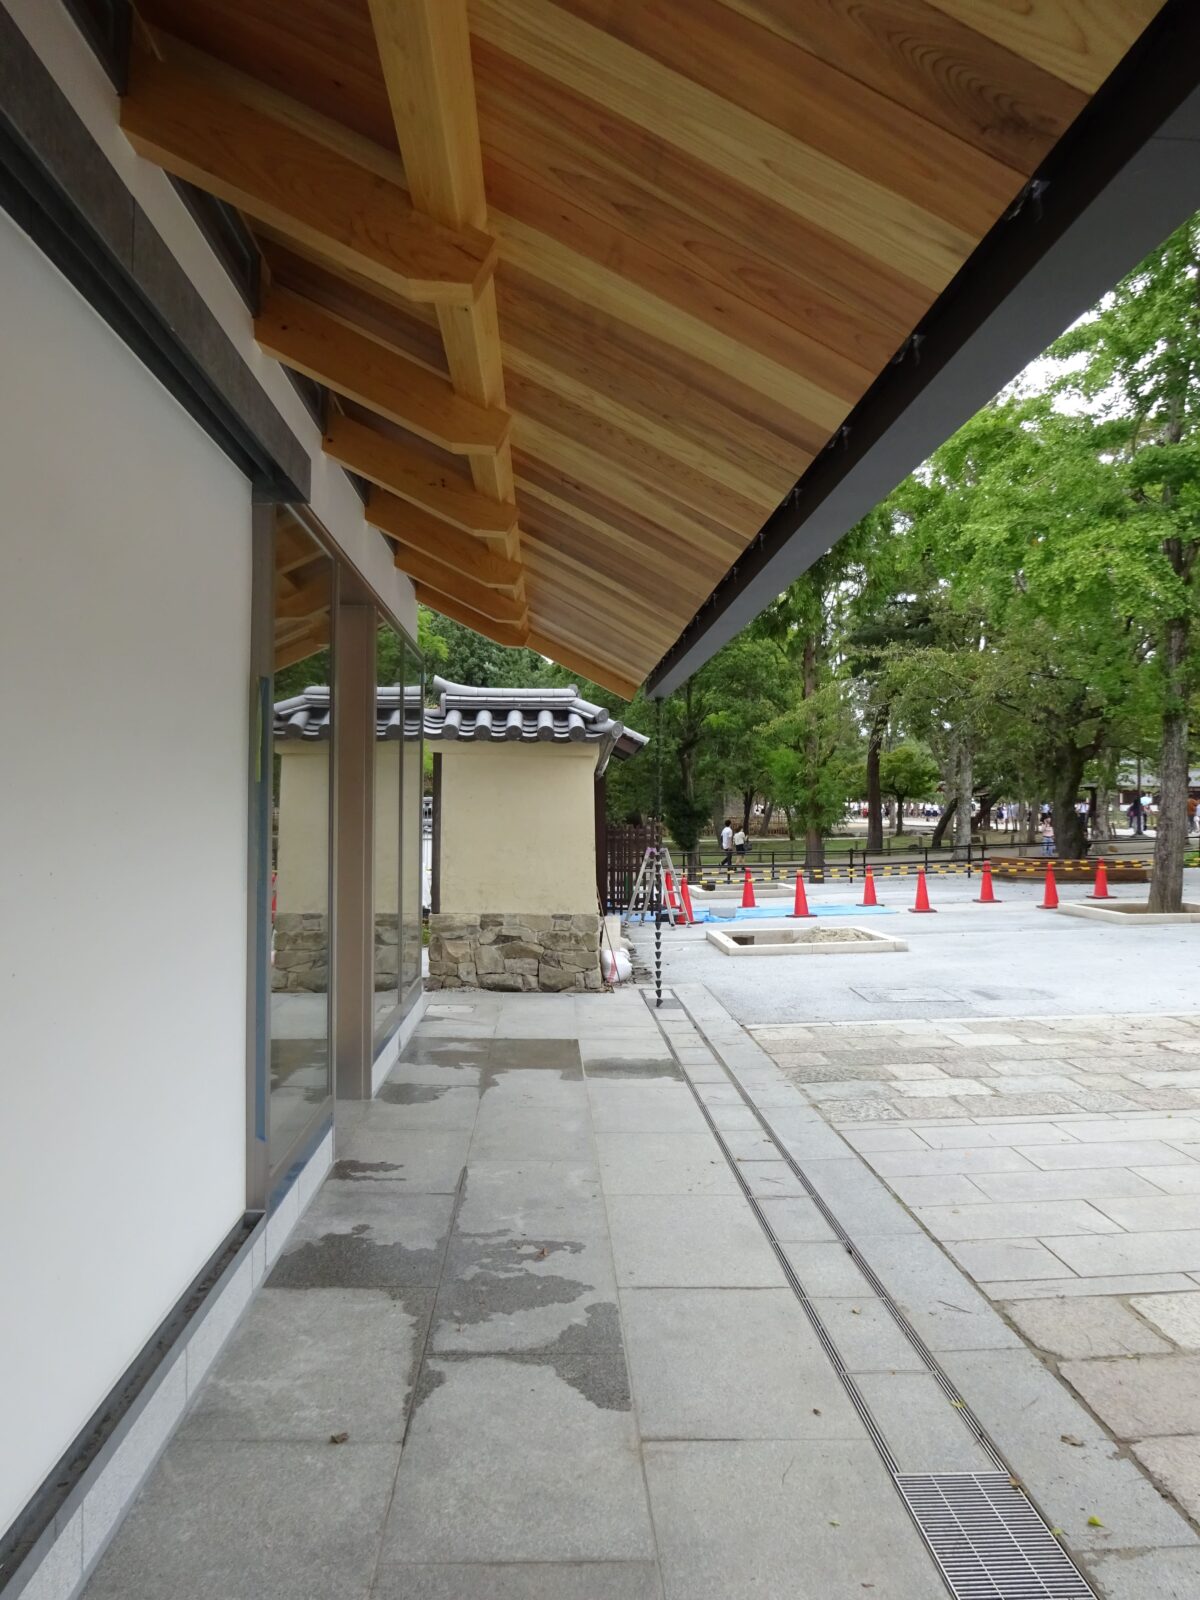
[988,1540]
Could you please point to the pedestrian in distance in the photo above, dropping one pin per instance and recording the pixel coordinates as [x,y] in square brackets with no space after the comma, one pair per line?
[1047,834]
[739,843]
[727,844]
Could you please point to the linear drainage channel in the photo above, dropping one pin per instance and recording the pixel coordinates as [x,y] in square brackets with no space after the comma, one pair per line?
[987,1539]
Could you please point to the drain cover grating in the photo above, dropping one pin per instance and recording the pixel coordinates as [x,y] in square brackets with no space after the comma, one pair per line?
[988,1540]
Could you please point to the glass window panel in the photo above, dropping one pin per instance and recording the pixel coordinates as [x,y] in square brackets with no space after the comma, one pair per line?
[414,892]
[300,836]
[389,676]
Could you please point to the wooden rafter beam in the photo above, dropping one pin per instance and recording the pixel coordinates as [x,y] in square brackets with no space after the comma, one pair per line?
[430,536]
[322,201]
[304,645]
[308,339]
[446,581]
[311,597]
[504,633]
[414,477]
[574,661]
[425,52]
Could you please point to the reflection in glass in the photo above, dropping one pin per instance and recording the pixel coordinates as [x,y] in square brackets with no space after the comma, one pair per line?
[412,882]
[300,827]
[389,672]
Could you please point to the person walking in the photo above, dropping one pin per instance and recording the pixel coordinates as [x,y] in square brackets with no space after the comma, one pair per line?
[727,844]
[1047,834]
[739,843]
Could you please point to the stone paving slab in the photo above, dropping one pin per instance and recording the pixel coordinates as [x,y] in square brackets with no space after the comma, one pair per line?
[768,1517]
[689,1241]
[522,1580]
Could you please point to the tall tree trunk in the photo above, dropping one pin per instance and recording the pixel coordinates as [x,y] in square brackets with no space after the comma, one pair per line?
[1103,816]
[814,839]
[1171,836]
[943,822]
[963,791]
[899,816]
[1029,816]
[874,792]
[747,808]
[1070,830]
[768,813]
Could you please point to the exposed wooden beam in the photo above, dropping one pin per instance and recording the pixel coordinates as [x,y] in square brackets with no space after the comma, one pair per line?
[596,671]
[306,338]
[432,537]
[324,203]
[394,466]
[434,575]
[425,52]
[309,598]
[305,645]
[504,633]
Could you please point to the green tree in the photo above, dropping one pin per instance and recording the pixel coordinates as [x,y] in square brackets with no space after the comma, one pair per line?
[1139,356]
[907,773]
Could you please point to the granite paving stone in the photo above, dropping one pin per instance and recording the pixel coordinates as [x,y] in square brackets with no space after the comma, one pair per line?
[923,1429]
[1142,1398]
[1059,1288]
[795,1219]
[689,1241]
[1177,1315]
[988,1260]
[1078,1183]
[1175,1463]
[521,1580]
[1173,1180]
[1017,1219]
[1146,1575]
[935,1296]
[1100,1255]
[1085,1327]
[252,1521]
[731,1364]
[1150,1215]
[664,1163]
[826,1269]
[867,1336]
[749,1518]
[1104,1153]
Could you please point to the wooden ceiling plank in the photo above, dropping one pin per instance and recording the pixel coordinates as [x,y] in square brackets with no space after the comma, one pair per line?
[402,471]
[286,655]
[505,633]
[725,493]
[307,339]
[795,391]
[659,194]
[425,52]
[1079,41]
[578,661]
[650,377]
[400,520]
[320,200]
[736,143]
[914,55]
[819,105]
[447,581]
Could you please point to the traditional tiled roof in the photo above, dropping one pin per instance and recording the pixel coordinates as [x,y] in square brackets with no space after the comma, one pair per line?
[533,716]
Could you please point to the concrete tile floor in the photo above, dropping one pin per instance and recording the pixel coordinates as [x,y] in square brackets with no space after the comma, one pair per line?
[1084,1228]
[567,1362]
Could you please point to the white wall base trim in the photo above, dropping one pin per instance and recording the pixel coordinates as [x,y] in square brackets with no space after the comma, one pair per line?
[60,1563]
[390,1053]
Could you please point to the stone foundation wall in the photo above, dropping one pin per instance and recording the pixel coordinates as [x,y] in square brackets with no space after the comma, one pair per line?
[514,950]
[387,950]
[301,952]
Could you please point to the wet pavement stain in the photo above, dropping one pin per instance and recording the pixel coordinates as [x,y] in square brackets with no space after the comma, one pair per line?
[365,1171]
[589,1356]
[617,1067]
[354,1260]
[487,1277]
[412,1094]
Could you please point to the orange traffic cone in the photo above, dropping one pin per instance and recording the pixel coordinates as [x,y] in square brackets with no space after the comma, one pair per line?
[748,899]
[987,895]
[868,898]
[1100,890]
[800,908]
[922,900]
[685,894]
[671,900]
[1050,898]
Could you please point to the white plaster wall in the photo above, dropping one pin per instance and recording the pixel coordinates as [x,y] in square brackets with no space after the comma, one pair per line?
[124,655]
[518,827]
[49,29]
[302,881]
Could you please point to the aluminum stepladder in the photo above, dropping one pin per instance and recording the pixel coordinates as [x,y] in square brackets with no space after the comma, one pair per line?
[649,894]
